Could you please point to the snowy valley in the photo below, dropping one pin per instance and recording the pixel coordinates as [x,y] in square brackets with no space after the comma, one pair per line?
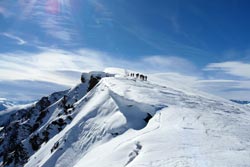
[112,119]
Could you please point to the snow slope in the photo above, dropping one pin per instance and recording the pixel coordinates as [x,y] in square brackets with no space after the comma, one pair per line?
[24,129]
[111,126]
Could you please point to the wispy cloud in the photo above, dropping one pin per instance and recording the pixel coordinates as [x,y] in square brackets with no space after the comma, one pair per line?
[57,66]
[64,68]
[25,90]
[234,68]
[5,12]
[170,63]
[229,89]
[236,87]
[99,7]
[19,40]
[54,16]
[46,65]
[224,86]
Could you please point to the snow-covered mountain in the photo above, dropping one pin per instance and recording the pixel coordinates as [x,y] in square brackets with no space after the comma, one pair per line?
[118,120]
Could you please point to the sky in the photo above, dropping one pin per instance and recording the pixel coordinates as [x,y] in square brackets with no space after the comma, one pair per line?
[46,44]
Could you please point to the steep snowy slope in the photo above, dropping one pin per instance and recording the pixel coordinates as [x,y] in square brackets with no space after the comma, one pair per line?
[127,122]
[24,129]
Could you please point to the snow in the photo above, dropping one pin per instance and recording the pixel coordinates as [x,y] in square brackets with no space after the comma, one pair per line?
[5,114]
[188,128]
[116,71]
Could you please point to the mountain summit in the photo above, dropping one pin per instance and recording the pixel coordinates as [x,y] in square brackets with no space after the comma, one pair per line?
[112,119]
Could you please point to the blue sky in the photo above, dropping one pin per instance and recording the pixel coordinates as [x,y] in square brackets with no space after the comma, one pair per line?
[52,40]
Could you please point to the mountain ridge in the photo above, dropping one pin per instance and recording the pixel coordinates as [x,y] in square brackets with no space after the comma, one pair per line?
[124,115]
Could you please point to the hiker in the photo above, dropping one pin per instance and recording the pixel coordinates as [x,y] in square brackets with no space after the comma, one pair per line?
[142,77]
[137,75]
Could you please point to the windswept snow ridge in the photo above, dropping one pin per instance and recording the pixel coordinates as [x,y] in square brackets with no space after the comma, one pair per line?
[122,121]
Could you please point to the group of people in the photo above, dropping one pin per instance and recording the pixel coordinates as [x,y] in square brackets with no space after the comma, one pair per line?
[139,76]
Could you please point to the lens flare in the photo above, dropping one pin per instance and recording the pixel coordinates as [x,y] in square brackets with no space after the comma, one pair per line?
[53,6]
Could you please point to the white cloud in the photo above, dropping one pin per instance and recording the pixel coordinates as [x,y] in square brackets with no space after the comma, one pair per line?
[235,68]
[54,16]
[19,40]
[5,12]
[169,63]
[175,80]
[64,68]
[22,90]
[46,65]
[229,89]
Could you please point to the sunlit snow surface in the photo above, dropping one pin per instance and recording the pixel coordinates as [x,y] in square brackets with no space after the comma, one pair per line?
[188,128]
